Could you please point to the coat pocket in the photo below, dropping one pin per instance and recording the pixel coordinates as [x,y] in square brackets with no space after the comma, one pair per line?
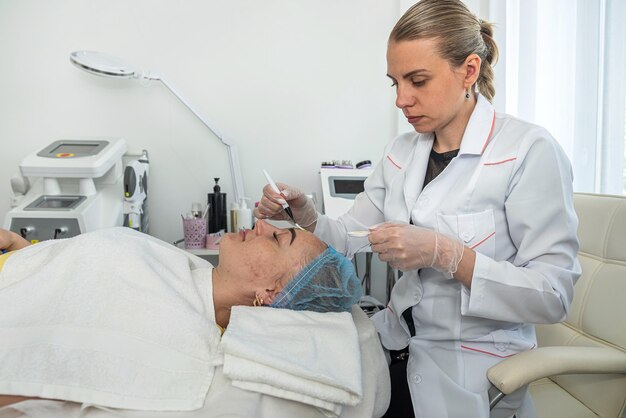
[476,230]
[481,353]
[499,343]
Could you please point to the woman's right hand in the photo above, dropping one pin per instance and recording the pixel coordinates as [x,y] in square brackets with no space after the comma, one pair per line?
[10,241]
[270,205]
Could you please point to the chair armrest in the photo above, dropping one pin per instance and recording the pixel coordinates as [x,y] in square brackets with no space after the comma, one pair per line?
[524,368]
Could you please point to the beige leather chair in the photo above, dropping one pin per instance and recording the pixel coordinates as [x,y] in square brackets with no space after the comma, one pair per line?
[579,369]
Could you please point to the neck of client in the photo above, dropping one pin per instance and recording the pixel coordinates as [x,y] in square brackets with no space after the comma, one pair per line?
[228,292]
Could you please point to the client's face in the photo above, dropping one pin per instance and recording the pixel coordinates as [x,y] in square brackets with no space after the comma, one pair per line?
[268,255]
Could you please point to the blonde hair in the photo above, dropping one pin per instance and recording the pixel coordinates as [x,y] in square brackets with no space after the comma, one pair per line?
[460,33]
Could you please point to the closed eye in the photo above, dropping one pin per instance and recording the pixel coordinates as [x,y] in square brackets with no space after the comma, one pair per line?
[293,235]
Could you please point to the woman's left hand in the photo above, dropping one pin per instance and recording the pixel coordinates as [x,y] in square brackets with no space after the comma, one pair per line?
[407,247]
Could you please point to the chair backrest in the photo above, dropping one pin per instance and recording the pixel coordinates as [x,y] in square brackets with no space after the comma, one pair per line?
[597,316]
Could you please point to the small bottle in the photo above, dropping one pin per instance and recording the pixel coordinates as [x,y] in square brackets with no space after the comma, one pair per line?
[234,219]
[217,209]
[196,210]
[244,215]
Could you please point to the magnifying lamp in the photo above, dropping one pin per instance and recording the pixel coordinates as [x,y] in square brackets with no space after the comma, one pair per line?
[106,65]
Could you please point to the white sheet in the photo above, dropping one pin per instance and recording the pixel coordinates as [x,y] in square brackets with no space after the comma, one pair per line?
[121,320]
[224,400]
[156,335]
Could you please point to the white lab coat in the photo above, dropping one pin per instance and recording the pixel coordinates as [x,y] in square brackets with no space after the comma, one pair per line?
[508,196]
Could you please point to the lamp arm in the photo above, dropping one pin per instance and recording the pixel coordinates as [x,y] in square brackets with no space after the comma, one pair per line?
[235,172]
[233,153]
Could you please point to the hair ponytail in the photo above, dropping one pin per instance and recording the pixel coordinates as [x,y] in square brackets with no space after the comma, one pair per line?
[486,80]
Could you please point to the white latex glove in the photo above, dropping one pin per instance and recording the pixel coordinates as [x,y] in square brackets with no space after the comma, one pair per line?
[270,205]
[408,247]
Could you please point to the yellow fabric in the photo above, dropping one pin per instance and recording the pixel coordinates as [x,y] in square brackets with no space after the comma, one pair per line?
[3,258]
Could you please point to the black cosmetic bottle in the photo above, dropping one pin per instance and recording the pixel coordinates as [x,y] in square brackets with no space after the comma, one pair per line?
[217,209]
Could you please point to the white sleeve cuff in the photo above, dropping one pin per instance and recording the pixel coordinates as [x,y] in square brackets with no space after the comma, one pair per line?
[472,299]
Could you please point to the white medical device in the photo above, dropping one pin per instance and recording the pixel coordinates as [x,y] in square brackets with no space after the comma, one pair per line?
[76,187]
[339,188]
[136,193]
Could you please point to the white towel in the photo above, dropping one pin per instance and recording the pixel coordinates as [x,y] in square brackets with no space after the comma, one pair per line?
[113,317]
[309,357]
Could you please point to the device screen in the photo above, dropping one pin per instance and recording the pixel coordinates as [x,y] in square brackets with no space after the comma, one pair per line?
[345,186]
[74,149]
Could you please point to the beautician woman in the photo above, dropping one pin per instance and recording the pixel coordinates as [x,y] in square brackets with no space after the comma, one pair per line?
[475,207]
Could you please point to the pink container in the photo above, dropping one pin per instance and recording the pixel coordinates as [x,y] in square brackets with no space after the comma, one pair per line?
[195,230]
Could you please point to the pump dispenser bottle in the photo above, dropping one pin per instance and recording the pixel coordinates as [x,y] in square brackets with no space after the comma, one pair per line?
[244,215]
[217,209]
[240,215]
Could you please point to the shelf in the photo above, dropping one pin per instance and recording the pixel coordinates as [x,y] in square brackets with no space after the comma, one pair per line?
[202,251]
[198,251]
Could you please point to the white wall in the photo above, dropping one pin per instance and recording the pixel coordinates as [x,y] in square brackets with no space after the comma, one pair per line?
[293,82]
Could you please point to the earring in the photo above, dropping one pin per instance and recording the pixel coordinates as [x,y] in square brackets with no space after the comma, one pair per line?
[258,301]
[467,93]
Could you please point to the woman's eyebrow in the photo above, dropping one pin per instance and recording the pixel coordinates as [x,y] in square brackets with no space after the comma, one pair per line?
[293,235]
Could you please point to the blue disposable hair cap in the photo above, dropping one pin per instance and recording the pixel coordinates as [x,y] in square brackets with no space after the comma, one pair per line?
[327,284]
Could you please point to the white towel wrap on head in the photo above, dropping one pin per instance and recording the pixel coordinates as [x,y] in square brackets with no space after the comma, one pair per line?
[309,357]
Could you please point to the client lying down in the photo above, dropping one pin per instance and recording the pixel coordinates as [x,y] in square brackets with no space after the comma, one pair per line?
[118,321]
